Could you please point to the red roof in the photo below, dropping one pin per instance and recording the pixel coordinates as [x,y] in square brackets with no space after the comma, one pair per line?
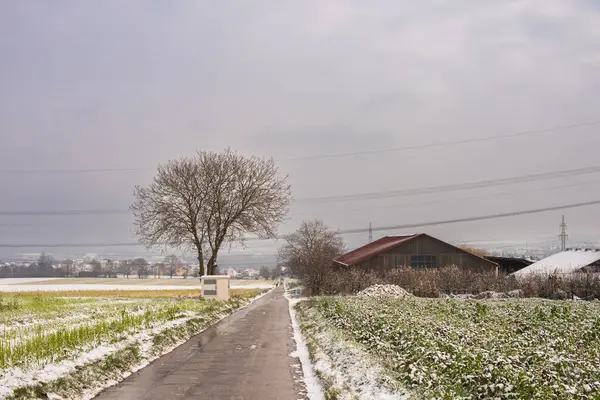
[379,246]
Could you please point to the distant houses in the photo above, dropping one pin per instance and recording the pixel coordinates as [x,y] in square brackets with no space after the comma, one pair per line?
[246,273]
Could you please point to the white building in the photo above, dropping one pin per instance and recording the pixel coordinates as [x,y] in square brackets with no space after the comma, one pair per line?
[563,263]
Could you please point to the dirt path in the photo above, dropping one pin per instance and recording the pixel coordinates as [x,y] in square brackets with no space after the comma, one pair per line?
[245,356]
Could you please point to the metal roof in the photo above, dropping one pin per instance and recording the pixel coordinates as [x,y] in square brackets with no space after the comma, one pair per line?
[379,246]
[499,259]
[565,262]
[389,242]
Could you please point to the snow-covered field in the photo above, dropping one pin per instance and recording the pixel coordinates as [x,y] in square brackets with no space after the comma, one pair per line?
[18,281]
[372,348]
[86,287]
[70,284]
[92,342]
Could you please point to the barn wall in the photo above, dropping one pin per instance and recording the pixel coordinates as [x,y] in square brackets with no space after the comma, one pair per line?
[443,254]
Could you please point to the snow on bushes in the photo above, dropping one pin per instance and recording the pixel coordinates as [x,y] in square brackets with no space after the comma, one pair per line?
[455,349]
[384,290]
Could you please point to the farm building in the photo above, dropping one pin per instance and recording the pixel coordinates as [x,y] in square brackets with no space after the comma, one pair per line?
[508,265]
[417,251]
[565,262]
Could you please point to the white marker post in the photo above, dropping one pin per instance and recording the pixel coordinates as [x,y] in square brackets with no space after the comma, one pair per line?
[215,287]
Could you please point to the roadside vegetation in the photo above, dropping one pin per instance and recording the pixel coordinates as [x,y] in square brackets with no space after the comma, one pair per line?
[439,341]
[436,282]
[56,335]
[468,349]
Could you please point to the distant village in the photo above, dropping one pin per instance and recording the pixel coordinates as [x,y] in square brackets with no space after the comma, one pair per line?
[172,267]
[94,265]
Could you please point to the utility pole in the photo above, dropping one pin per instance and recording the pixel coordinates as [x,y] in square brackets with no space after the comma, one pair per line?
[370,233]
[563,235]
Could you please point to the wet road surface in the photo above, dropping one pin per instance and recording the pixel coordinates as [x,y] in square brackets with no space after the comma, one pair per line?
[245,356]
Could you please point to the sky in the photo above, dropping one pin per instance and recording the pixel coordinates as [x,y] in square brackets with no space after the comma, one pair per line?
[128,85]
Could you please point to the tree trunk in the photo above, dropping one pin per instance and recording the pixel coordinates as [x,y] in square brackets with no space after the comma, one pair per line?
[200,262]
[211,265]
[213,257]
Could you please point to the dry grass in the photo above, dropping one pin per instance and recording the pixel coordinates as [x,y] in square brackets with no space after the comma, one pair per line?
[133,280]
[128,293]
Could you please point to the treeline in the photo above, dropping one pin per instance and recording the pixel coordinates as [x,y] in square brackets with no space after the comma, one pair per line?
[270,273]
[33,270]
[47,267]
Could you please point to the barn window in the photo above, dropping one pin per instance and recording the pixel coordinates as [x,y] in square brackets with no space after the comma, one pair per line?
[422,261]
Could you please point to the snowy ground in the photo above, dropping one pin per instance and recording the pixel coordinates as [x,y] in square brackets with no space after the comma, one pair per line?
[52,285]
[372,348]
[18,281]
[92,343]
[335,367]
[314,390]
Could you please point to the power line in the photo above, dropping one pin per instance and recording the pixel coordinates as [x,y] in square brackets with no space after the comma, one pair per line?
[494,195]
[472,219]
[22,213]
[71,171]
[449,143]
[353,197]
[65,245]
[344,231]
[325,156]
[454,187]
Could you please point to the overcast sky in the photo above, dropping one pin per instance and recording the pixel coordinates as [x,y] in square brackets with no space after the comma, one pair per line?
[130,84]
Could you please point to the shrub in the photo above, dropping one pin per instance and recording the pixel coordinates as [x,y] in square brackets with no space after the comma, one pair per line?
[433,282]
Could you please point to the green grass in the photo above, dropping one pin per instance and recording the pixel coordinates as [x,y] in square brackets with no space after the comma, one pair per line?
[96,374]
[452,349]
[41,329]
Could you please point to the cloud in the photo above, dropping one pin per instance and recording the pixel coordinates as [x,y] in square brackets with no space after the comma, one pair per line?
[113,84]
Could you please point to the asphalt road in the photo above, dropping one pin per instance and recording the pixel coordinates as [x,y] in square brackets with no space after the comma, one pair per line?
[245,356]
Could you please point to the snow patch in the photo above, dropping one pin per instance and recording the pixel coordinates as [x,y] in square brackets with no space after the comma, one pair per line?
[15,377]
[348,366]
[314,390]
[20,287]
[90,286]
[17,281]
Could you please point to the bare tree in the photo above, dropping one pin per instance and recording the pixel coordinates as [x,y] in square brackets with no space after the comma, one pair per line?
[111,269]
[126,268]
[96,268]
[309,252]
[68,266]
[209,200]
[276,272]
[172,262]
[264,272]
[141,267]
